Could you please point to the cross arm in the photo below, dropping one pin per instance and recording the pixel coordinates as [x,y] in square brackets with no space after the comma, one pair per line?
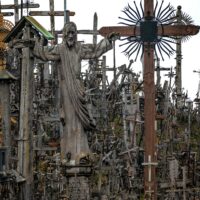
[166,30]
[25,5]
[48,13]
[180,30]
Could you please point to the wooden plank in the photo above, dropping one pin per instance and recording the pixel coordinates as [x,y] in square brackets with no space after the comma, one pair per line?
[95,22]
[25,145]
[25,5]
[48,13]
[16,9]
[5,121]
[178,30]
[150,183]
[149,122]
[167,30]
[148,8]
[122,30]
[52,19]
[7,14]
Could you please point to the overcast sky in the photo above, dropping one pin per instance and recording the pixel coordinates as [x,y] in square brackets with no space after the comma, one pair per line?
[108,12]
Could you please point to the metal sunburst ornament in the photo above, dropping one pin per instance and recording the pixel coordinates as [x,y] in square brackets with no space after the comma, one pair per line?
[148,29]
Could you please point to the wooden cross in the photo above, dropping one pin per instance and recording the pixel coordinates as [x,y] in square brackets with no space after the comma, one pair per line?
[150,186]
[52,13]
[17,6]
[158,69]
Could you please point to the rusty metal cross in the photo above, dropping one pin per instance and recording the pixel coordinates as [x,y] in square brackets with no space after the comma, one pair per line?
[149,34]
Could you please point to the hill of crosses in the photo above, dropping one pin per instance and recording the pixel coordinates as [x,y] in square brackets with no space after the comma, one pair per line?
[106,132]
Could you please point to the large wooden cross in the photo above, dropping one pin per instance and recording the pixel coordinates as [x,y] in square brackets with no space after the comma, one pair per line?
[150,155]
[52,13]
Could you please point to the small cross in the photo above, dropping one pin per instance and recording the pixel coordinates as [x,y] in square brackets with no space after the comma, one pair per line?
[149,165]
[16,8]
[158,69]
[52,13]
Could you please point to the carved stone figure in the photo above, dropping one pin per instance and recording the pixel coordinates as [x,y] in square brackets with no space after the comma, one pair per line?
[74,114]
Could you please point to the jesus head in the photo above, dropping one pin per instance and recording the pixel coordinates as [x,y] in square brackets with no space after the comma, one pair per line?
[70,34]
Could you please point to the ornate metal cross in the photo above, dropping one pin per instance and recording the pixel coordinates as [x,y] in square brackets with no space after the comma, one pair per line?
[152,30]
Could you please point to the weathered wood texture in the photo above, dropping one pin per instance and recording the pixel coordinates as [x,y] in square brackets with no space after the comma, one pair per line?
[49,13]
[25,149]
[14,6]
[178,79]
[176,30]
[5,115]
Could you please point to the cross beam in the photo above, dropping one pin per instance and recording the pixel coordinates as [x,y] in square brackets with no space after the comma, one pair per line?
[150,185]
[165,30]
[50,13]
[16,8]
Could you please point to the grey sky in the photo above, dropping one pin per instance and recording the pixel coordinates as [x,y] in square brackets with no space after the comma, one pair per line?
[108,12]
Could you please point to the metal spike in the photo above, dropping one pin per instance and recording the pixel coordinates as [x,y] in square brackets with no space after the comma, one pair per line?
[137,10]
[138,52]
[158,46]
[160,8]
[167,40]
[124,23]
[134,50]
[132,46]
[187,19]
[141,8]
[168,47]
[128,15]
[171,10]
[134,12]
[127,20]
[125,38]
[129,11]
[162,48]
[167,17]
[163,11]
[124,43]
[154,12]
[155,51]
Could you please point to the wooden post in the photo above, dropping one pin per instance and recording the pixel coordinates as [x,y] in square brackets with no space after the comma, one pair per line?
[149,125]
[95,24]
[149,114]
[5,116]
[178,79]
[25,149]
[66,16]
[158,69]
[16,11]
[52,20]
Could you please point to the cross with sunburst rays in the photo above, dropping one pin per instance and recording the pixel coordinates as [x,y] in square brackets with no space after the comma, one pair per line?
[160,29]
[151,31]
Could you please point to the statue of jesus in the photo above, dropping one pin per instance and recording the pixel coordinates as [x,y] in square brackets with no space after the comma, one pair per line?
[68,56]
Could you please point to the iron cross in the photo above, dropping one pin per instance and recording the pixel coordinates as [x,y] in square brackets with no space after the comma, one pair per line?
[149,30]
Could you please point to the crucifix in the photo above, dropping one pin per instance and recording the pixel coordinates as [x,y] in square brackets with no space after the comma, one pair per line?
[150,31]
